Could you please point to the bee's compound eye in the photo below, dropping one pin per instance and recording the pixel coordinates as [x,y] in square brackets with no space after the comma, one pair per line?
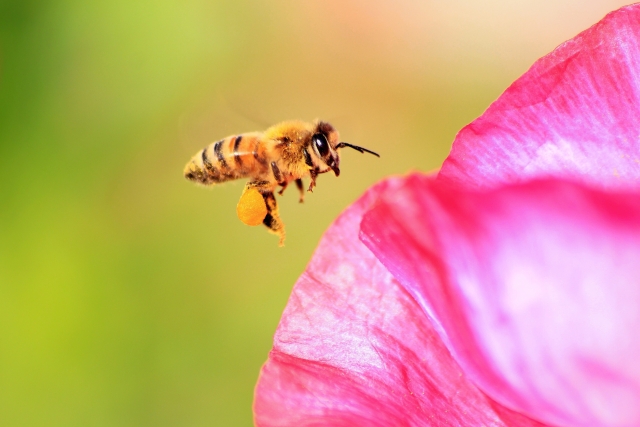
[321,144]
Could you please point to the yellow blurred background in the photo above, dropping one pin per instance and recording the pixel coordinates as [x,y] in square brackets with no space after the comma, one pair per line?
[131,297]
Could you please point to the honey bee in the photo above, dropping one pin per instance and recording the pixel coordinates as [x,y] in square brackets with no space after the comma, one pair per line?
[285,152]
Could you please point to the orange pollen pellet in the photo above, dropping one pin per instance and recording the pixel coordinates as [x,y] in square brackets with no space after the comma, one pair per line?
[251,208]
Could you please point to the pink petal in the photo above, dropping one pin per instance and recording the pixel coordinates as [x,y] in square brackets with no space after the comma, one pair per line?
[354,349]
[535,288]
[575,114]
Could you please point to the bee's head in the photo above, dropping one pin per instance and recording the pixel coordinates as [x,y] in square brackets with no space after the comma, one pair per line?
[325,142]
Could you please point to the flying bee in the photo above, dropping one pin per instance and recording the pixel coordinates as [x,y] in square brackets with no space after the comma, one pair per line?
[285,152]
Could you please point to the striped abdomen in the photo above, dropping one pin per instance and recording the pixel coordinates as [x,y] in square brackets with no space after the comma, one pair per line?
[231,158]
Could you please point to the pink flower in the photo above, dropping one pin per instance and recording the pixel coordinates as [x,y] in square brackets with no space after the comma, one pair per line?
[503,291]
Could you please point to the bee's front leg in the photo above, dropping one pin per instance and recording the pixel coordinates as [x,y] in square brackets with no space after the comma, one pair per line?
[314,175]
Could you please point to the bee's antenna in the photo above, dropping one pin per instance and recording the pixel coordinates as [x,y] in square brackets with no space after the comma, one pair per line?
[355,147]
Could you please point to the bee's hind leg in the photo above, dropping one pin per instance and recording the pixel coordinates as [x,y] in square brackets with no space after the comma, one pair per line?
[272,221]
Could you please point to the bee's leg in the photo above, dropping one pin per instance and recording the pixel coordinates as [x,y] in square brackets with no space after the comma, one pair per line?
[300,186]
[252,208]
[314,175]
[279,178]
[284,187]
[272,220]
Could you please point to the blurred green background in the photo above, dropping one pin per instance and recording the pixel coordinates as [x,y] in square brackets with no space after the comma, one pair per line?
[131,297]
